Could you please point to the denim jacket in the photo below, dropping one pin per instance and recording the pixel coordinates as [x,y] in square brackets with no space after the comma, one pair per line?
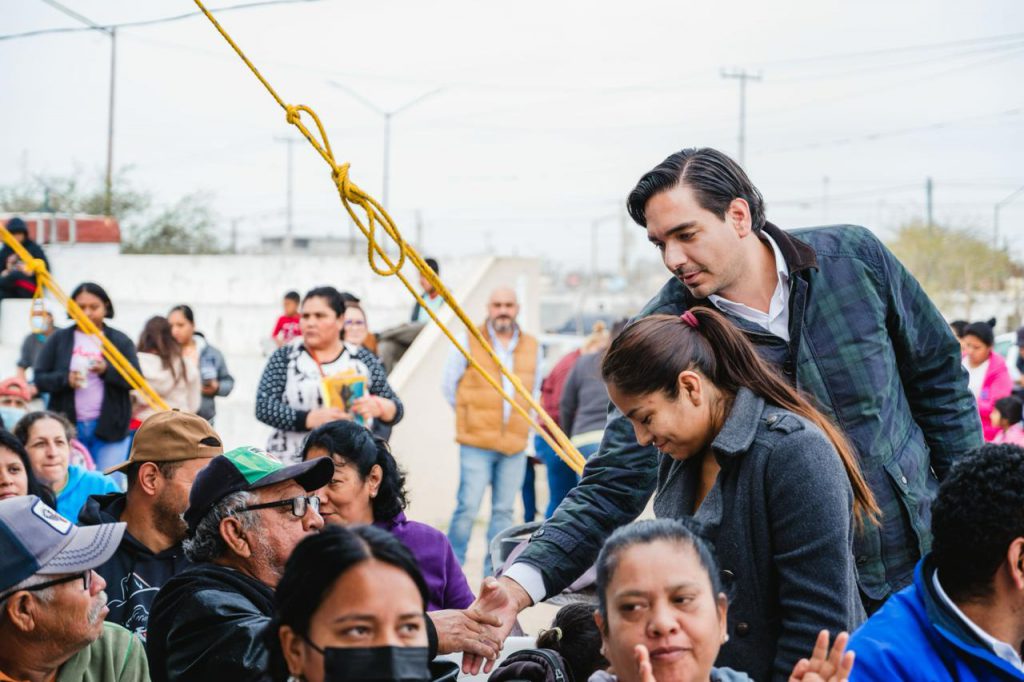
[870,348]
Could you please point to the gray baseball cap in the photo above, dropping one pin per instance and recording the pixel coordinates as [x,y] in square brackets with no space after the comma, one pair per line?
[34,539]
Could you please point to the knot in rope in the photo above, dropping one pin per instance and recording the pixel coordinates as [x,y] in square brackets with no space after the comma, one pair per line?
[35,265]
[291,114]
[340,176]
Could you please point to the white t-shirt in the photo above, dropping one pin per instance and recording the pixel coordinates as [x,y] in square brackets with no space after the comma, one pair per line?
[976,377]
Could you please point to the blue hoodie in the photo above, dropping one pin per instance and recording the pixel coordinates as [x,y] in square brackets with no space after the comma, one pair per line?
[82,484]
[916,636]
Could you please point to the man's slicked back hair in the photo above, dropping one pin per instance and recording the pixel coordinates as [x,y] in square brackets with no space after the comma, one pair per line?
[714,178]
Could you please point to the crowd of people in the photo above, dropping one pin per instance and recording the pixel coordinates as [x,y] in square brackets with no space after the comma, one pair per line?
[837,483]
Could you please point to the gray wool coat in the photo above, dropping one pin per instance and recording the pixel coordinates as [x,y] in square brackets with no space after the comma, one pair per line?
[780,519]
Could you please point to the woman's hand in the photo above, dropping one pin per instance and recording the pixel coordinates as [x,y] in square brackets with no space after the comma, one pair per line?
[98,366]
[644,670]
[824,666]
[369,406]
[323,415]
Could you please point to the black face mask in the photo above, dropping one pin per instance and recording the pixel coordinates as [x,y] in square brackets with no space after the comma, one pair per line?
[377,663]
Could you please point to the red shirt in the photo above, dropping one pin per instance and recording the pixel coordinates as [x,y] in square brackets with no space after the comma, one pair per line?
[288,328]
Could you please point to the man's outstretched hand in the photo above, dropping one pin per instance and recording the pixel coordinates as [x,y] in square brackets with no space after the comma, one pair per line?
[466,630]
[501,599]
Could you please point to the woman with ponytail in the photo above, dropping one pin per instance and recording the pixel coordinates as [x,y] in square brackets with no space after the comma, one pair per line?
[369,488]
[773,485]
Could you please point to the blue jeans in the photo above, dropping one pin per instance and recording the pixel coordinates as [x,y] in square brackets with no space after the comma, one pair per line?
[530,492]
[479,469]
[561,479]
[104,453]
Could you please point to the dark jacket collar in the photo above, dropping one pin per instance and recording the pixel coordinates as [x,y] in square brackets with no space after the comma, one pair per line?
[737,434]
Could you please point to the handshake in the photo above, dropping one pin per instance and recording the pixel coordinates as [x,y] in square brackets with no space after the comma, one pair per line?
[480,630]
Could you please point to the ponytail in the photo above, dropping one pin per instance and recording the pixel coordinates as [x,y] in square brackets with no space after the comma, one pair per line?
[649,356]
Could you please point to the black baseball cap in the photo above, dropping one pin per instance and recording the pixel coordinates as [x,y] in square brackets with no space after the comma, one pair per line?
[249,468]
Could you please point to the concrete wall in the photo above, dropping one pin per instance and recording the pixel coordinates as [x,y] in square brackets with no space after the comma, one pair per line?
[236,300]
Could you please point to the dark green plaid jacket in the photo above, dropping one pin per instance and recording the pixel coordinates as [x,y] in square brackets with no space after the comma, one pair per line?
[870,347]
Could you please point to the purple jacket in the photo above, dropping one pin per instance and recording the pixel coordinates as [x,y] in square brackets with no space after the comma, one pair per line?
[446,583]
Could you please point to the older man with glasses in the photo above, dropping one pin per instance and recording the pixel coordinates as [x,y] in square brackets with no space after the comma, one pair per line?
[247,512]
[52,602]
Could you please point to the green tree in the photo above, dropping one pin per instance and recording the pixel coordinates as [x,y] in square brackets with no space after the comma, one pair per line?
[951,261]
[186,226]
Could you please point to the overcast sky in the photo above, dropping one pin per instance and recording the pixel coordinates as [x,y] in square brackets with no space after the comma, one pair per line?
[548,114]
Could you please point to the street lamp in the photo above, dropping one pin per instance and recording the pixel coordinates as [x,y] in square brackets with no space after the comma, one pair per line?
[387,115]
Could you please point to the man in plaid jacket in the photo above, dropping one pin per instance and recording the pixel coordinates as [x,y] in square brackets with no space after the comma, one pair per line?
[838,315]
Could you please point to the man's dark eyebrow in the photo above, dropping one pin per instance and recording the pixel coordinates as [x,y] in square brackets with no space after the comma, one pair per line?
[678,228]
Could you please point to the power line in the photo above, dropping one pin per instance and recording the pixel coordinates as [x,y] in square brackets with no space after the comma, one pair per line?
[892,50]
[143,22]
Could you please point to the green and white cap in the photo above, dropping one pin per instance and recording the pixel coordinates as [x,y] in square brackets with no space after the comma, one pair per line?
[249,468]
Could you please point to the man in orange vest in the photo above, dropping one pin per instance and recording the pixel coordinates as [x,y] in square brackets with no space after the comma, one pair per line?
[491,435]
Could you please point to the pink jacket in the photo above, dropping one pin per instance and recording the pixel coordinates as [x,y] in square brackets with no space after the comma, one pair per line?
[997,385]
[1013,435]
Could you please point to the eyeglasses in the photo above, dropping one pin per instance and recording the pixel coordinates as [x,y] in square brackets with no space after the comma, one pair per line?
[84,576]
[355,323]
[299,505]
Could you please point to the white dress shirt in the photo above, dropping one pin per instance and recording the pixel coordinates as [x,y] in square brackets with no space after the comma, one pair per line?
[776,320]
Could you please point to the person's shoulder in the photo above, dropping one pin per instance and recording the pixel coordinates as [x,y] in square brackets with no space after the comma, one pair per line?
[893,640]
[420,530]
[794,442]
[728,675]
[842,241]
[116,651]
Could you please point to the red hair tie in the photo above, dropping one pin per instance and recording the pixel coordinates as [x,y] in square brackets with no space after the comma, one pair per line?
[690,319]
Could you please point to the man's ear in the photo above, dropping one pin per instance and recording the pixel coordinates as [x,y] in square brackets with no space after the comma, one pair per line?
[1015,557]
[737,215]
[148,477]
[232,533]
[21,610]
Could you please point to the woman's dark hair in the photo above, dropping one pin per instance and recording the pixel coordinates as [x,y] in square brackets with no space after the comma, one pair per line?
[349,442]
[97,291]
[156,338]
[24,425]
[574,635]
[714,178]
[958,327]
[1010,408]
[332,297]
[315,565]
[8,441]
[977,514]
[644,533]
[981,331]
[650,354]
[186,312]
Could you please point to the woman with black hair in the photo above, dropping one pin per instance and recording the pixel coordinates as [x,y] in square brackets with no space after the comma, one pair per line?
[774,485]
[987,374]
[350,606]
[82,386]
[213,370]
[16,475]
[662,612]
[369,488]
[291,393]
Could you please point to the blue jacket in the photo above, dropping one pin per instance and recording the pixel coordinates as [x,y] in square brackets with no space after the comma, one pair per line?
[915,636]
[81,484]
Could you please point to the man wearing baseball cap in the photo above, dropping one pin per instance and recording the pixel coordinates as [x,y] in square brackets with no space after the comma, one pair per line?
[246,512]
[52,601]
[169,449]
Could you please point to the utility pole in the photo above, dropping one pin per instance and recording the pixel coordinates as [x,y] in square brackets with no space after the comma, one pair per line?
[928,203]
[112,32]
[995,214]
[742,76]
[387,115]
[289,235]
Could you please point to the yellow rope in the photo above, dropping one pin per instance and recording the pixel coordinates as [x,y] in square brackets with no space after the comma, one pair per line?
[375,216]
[44,280]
